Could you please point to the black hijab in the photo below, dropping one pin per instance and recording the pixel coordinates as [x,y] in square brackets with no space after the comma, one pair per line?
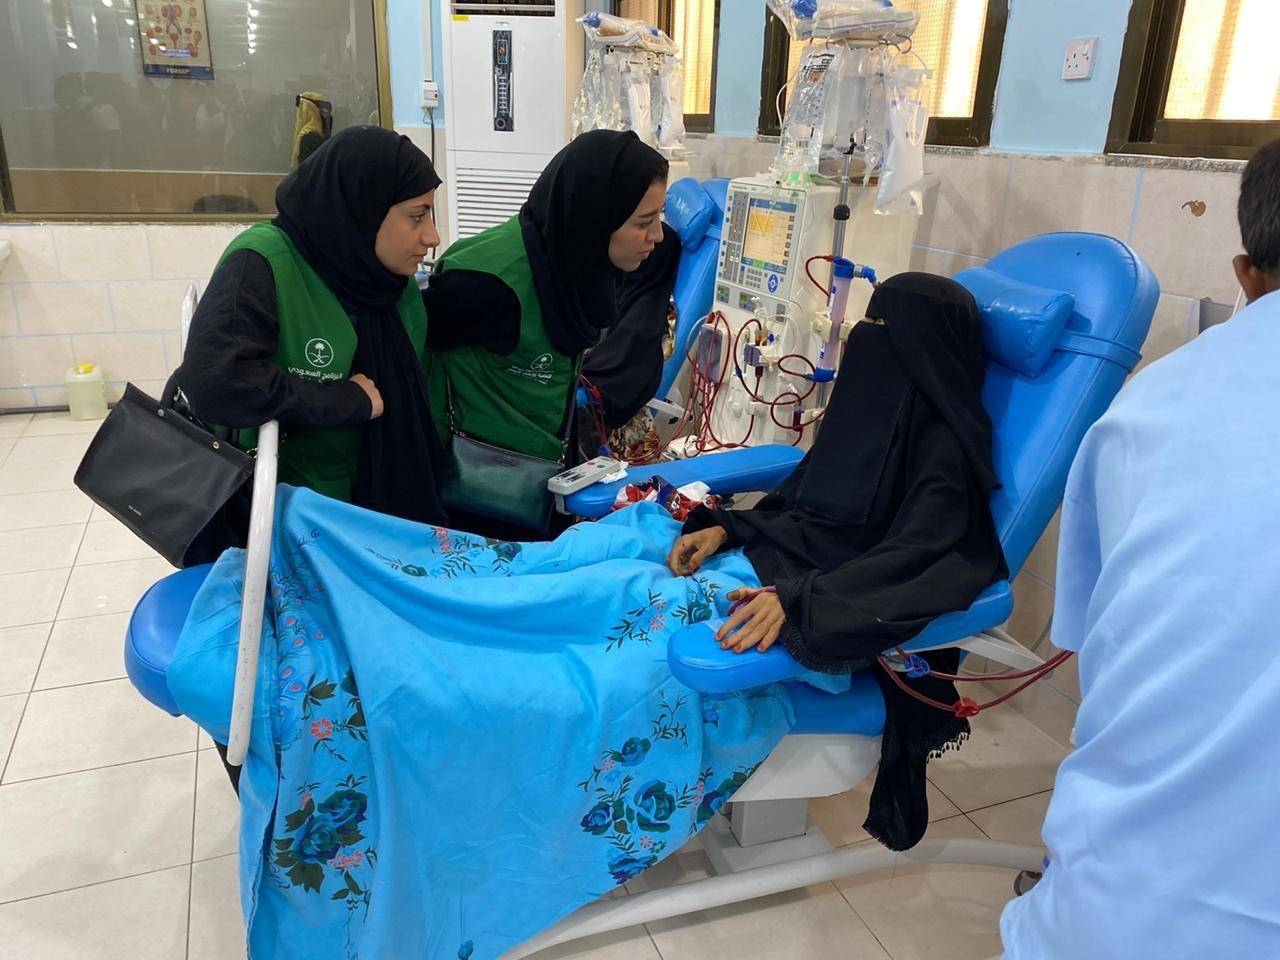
[332,207]
[588,190]
[886,523]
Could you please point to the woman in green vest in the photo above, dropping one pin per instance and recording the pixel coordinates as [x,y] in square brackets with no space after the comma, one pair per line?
[314,320]
[513,310]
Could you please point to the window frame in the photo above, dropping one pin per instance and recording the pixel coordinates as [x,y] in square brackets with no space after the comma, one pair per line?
[703,123]
[973,131]
[386,118]
[1146,71]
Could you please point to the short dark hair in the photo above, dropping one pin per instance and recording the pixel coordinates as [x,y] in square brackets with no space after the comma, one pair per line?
[1260,208]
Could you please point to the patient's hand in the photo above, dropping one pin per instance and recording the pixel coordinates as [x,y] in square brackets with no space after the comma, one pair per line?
[758,622]
[693,548]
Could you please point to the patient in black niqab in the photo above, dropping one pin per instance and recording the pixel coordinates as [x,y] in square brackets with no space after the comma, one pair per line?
[884,526]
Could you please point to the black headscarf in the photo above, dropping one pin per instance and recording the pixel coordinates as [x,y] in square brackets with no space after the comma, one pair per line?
[587,191]
[332,207]
[886,523]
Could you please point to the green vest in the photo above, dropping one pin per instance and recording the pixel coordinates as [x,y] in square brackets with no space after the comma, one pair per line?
[317,342]
[517,402]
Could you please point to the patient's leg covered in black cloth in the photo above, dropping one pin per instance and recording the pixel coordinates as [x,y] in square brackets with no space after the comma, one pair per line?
[914,733]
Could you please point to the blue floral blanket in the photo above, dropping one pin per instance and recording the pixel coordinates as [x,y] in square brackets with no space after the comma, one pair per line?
[459,741]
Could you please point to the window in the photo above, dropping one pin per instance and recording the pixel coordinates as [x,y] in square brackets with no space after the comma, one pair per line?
[103,114]
[694,24]
[1198,78]
[960,40]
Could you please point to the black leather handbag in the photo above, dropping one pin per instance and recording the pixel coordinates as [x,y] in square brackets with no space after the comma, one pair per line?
[499,484]
[167,477]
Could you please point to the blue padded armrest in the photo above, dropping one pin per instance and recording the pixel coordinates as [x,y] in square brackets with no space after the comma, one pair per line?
[153,633]
[698,662]
[993,607]
[734,471]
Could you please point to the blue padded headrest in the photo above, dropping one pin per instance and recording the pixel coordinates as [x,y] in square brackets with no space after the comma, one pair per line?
[1021,323]
[690,211]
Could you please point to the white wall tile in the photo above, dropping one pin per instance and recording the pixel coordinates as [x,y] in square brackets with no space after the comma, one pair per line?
[131,356]
[102,252]
[8,312]
[1048,195]
[1172,327]
[32,258]
[942,263]
[45,308]
[1033,606]
[34,361]
[115,389]
[15,398]
[181,252]
[1191,255]
[51,397]
[965,204]
[148,304]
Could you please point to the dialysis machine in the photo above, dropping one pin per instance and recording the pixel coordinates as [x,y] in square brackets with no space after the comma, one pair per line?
[769,335]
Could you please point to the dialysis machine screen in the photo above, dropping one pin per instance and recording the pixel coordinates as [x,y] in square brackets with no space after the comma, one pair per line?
[770,225]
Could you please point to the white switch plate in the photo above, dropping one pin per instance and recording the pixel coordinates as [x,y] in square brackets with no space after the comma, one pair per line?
[1078,64]
[430,95]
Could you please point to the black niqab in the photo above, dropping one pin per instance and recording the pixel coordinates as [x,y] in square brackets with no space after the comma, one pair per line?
[886,523]
[587,191]
[332,207]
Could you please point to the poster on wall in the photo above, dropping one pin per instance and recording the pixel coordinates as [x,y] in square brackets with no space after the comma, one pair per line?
[175,40]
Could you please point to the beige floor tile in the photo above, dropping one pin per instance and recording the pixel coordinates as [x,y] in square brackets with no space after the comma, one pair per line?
[20,651]
[99,825]
[217,810]
[935,912]
[44,449]
[44,548]
[13,424]
[96,725]
[630,944]
[38,477]
[87,650]
[10,714]
[1018,821]
[217,925]
[103,588]
[110,540]
[24,511]
[812,922]
[1005,758]
[6,448]
[27,598]
[138,918]
[841,817]
[60,424]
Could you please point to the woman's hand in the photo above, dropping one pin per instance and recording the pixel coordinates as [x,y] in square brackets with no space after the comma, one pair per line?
[693,548]
[758,622]
[375,398]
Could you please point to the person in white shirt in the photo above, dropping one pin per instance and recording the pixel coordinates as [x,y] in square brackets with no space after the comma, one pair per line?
[1162,828]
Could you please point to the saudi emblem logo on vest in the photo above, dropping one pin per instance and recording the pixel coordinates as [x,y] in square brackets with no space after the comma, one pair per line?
[319,353]
[539,369]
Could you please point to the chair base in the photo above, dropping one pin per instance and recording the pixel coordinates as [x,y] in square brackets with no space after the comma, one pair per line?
[618,913]
[729,855]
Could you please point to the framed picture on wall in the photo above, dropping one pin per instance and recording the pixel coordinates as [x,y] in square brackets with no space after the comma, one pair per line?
[174,39]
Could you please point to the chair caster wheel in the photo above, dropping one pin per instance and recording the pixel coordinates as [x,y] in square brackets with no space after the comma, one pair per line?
[1025,881]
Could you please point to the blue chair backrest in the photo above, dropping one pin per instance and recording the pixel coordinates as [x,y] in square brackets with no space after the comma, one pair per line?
[696,212]
[1040,422]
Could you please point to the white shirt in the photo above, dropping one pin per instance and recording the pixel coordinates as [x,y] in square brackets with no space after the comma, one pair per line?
[1164,828]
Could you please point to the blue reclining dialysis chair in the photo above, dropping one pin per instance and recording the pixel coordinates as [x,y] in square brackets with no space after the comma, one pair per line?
[1064,316]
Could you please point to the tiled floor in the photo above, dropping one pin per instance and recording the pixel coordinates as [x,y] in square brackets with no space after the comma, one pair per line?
[117,826]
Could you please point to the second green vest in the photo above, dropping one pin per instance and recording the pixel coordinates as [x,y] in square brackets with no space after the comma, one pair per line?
[520,401]
[317,342]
